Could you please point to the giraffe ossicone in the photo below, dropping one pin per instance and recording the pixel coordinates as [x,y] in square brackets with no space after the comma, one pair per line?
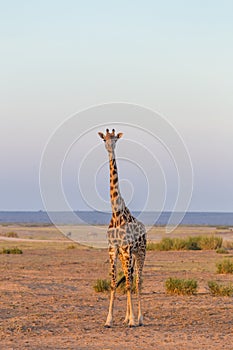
[126,239]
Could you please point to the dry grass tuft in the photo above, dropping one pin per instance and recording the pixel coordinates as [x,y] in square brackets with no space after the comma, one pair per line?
[226,266]
[217,289]
[181,286]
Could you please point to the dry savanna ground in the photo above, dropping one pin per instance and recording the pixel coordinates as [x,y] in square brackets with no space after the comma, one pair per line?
[47,300]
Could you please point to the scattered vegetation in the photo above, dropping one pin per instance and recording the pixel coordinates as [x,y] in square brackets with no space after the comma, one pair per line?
[228,244]
[210,242]
[14,250]
[11,234]
[226,266]
[102,286]
[217,289]
[222,227]
[222,251]
[71,246]
[151,245]
[190,243]
[181,286]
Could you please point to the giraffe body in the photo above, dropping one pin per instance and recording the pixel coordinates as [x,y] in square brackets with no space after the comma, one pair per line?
[126,240]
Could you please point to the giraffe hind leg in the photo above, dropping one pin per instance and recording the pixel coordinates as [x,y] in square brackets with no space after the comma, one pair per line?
[140,258]
[127,262]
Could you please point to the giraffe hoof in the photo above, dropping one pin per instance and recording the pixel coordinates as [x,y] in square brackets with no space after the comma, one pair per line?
[132,325]
[107,325]
[140,322]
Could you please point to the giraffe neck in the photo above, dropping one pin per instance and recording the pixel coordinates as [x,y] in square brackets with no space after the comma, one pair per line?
[117,202]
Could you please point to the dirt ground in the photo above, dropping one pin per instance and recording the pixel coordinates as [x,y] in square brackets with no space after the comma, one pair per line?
[47,300]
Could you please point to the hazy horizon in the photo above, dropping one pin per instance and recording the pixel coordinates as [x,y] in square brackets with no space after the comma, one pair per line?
[134,211]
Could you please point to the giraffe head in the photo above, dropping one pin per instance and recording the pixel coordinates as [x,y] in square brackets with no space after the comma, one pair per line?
[110,139]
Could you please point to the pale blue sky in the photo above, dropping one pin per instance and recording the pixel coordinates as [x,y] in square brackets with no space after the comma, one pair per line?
[58,57]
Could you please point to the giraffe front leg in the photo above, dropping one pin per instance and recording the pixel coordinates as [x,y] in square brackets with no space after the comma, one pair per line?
[127,316]
[126,320]
[131,320]
[113,261]
[128,275]
[109,321]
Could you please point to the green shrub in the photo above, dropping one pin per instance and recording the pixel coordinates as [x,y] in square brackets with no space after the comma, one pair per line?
[219,289]
[179,244]
[190,243]
[151,246]
[11,234]
[71,246]
[193,243]
[222,251]
[11,251]
[181,286]
[228,245]
[102,285]
[210,242]
[164,245]
[226,266]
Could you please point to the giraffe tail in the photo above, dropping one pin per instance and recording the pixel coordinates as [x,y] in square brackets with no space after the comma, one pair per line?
[122,279]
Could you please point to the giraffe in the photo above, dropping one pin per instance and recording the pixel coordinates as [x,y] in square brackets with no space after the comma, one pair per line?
[126,239]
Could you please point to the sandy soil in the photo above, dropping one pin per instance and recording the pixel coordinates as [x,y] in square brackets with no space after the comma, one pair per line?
[47,300]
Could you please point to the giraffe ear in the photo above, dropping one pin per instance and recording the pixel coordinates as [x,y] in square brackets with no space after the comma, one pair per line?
[119,135]
[101,135]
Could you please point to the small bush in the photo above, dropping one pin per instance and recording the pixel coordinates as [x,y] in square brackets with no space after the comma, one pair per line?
[71,246]
[210,242]
[222,251]
[11,251]
[226,266]
[219,289]
[193,243]
[228,245]
[102,285]
[11,234]
[222,227]
[164,245]
[179,244]
[151,246]
[181,286]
